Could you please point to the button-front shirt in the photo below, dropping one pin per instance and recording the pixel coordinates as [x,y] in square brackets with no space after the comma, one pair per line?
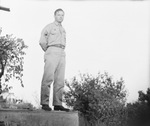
[52,34]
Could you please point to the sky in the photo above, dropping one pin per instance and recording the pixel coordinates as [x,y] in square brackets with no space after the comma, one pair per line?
[102,36]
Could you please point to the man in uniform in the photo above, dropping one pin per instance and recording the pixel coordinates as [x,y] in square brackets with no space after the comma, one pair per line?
[53,42]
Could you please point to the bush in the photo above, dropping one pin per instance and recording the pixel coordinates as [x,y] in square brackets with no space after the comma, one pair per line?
[13,103]
[99,99]
[139,111]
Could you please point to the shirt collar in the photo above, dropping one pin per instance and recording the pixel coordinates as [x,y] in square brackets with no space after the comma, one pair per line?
[57,24]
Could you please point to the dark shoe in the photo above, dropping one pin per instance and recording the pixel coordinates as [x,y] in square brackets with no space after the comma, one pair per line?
[46,108]
[60,108]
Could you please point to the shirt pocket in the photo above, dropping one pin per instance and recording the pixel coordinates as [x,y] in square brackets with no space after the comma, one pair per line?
[54,31]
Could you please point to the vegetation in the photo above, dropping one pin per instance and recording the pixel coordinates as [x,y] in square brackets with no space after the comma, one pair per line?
[13,103]
[139,112]
[100,99]
[11,60]
[103,101]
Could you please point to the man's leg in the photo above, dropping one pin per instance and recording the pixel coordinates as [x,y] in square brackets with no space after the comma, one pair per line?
[59,82]
[51,62]
[59,86]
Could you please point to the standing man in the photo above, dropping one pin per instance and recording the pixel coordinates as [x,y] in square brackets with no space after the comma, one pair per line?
[53,42]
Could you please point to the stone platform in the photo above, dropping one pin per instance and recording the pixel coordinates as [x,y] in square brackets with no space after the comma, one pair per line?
[40,118]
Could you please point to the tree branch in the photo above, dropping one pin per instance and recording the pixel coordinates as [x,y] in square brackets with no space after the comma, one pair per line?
[2,68]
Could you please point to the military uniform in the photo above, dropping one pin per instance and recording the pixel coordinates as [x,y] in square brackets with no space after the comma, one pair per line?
[53,42]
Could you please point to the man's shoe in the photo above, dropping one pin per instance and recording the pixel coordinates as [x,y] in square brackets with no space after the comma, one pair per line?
[46,108]
[60,108]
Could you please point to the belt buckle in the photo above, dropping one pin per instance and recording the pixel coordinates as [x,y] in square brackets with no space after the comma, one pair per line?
[61,46]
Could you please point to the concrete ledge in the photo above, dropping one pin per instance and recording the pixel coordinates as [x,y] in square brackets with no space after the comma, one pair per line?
[40,118]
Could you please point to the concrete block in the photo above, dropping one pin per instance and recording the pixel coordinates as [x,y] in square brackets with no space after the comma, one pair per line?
[40,118]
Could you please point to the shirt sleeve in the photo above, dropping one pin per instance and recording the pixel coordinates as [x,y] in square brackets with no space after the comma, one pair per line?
[44,37]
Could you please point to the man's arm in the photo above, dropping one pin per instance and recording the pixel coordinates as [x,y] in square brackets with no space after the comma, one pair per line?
[44,38]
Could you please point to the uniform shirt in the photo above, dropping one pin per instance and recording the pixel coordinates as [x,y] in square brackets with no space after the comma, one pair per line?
[52,34]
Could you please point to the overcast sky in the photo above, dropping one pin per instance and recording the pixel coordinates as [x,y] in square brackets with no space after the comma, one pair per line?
[106,36]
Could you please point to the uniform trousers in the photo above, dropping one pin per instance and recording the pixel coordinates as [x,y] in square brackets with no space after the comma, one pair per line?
[54,72]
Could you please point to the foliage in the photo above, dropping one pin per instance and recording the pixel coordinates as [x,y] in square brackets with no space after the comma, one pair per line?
[100,99]
[25,105]
[144,98]
[11,59]
[14,103]
[139,112]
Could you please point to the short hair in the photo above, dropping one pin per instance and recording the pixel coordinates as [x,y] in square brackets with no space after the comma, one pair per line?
[58,10]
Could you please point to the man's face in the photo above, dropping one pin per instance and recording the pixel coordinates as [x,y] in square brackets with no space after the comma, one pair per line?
[59,17]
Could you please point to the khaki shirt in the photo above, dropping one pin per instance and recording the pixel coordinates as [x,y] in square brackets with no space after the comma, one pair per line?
[52,34]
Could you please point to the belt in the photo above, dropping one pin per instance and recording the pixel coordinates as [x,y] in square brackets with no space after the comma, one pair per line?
[58,45]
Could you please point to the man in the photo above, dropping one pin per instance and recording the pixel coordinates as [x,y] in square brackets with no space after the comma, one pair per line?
[53,42]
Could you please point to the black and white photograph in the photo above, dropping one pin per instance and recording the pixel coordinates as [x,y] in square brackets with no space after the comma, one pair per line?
[74,62]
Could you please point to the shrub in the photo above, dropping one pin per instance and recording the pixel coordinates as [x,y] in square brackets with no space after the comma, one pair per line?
[99,99]
[139,111]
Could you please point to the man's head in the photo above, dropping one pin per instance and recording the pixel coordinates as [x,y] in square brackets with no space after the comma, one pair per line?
[59,15]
